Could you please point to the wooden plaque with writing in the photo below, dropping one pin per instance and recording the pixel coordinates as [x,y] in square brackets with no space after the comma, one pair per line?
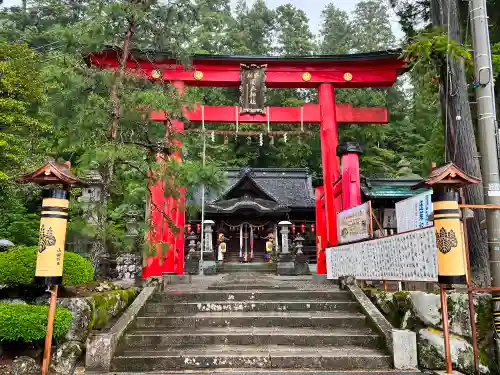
[253,88]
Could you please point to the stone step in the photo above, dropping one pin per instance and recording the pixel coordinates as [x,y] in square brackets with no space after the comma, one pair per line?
[193,307]
[229,356]
[246,267]
[242,295]
[253,336]
[254,319]
[249,286]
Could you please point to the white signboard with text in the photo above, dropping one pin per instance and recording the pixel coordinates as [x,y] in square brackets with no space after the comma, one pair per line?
[413,213]
[354,224]
[410,256]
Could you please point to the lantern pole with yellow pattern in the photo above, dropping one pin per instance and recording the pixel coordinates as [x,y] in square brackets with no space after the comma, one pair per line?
[52,237]
[445,182]
[452,266]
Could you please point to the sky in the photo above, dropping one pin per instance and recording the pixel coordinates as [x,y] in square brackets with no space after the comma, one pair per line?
[312,8]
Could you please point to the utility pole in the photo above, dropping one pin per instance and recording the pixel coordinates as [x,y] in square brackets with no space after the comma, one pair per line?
[488,138]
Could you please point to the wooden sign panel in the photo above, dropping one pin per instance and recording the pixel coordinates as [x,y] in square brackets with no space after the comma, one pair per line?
[253,88]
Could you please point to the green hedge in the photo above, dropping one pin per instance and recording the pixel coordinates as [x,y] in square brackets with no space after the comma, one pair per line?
[28,323]
[17,267]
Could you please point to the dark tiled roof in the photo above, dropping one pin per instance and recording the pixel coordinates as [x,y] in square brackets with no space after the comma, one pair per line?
[290,187]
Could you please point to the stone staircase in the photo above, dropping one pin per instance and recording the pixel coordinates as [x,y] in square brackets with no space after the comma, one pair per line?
[253,322]
[246,267]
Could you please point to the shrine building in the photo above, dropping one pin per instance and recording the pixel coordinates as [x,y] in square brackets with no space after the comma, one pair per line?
[252,203]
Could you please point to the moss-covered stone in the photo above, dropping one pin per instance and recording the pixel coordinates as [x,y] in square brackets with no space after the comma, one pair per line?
[431,352]
[485,330]
[403,305]
[109,304]
[421,312]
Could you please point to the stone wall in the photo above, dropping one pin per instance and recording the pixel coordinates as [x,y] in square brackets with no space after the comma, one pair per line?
[421,312]
[95,312]
[127,266]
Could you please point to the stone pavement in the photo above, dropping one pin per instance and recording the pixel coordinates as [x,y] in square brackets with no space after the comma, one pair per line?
[251,321]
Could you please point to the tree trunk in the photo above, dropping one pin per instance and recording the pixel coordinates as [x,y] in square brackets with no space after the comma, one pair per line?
[99,248]
[461,147]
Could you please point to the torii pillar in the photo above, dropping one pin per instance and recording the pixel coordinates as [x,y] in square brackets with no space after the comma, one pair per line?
[329,142]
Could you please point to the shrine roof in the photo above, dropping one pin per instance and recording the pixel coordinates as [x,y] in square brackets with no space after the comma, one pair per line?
[290,187]
[390,188]
[281,187]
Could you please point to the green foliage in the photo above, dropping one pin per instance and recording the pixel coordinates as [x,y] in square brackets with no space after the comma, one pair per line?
[431,49]
[337,31]
[294,36]
[77,270]
[372,30]
[252,29]
[495,51]
[28,323]
[17,267]
[19,221]
[21,88]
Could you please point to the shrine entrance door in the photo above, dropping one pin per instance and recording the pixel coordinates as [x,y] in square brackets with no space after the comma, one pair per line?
[246,241]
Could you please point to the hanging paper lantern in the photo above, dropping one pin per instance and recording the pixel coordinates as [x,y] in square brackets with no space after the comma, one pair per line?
[303,228]
[293,228]
[189,228]
[198,228]
[312,228]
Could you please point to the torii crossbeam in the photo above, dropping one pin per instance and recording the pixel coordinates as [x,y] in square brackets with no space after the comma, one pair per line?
[308,114]
[324,73]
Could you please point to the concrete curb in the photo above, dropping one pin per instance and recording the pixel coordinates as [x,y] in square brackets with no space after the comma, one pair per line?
[401,343]
[101,346]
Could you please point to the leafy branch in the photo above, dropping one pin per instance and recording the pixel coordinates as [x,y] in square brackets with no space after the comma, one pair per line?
[431,49]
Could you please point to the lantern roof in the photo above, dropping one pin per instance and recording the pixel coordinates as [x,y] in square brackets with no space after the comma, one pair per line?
[448,175]
[53,173]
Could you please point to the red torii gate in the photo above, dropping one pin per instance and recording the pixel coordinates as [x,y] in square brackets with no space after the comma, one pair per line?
[325,73]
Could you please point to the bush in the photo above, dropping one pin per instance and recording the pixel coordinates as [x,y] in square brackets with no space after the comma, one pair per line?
[17,267]
[77,270]
[28,323]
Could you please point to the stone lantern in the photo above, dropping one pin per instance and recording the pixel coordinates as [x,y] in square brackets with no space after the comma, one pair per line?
[208,256]
[285,258]
[285,248]
[192,262]
[298,244]
[301,262]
